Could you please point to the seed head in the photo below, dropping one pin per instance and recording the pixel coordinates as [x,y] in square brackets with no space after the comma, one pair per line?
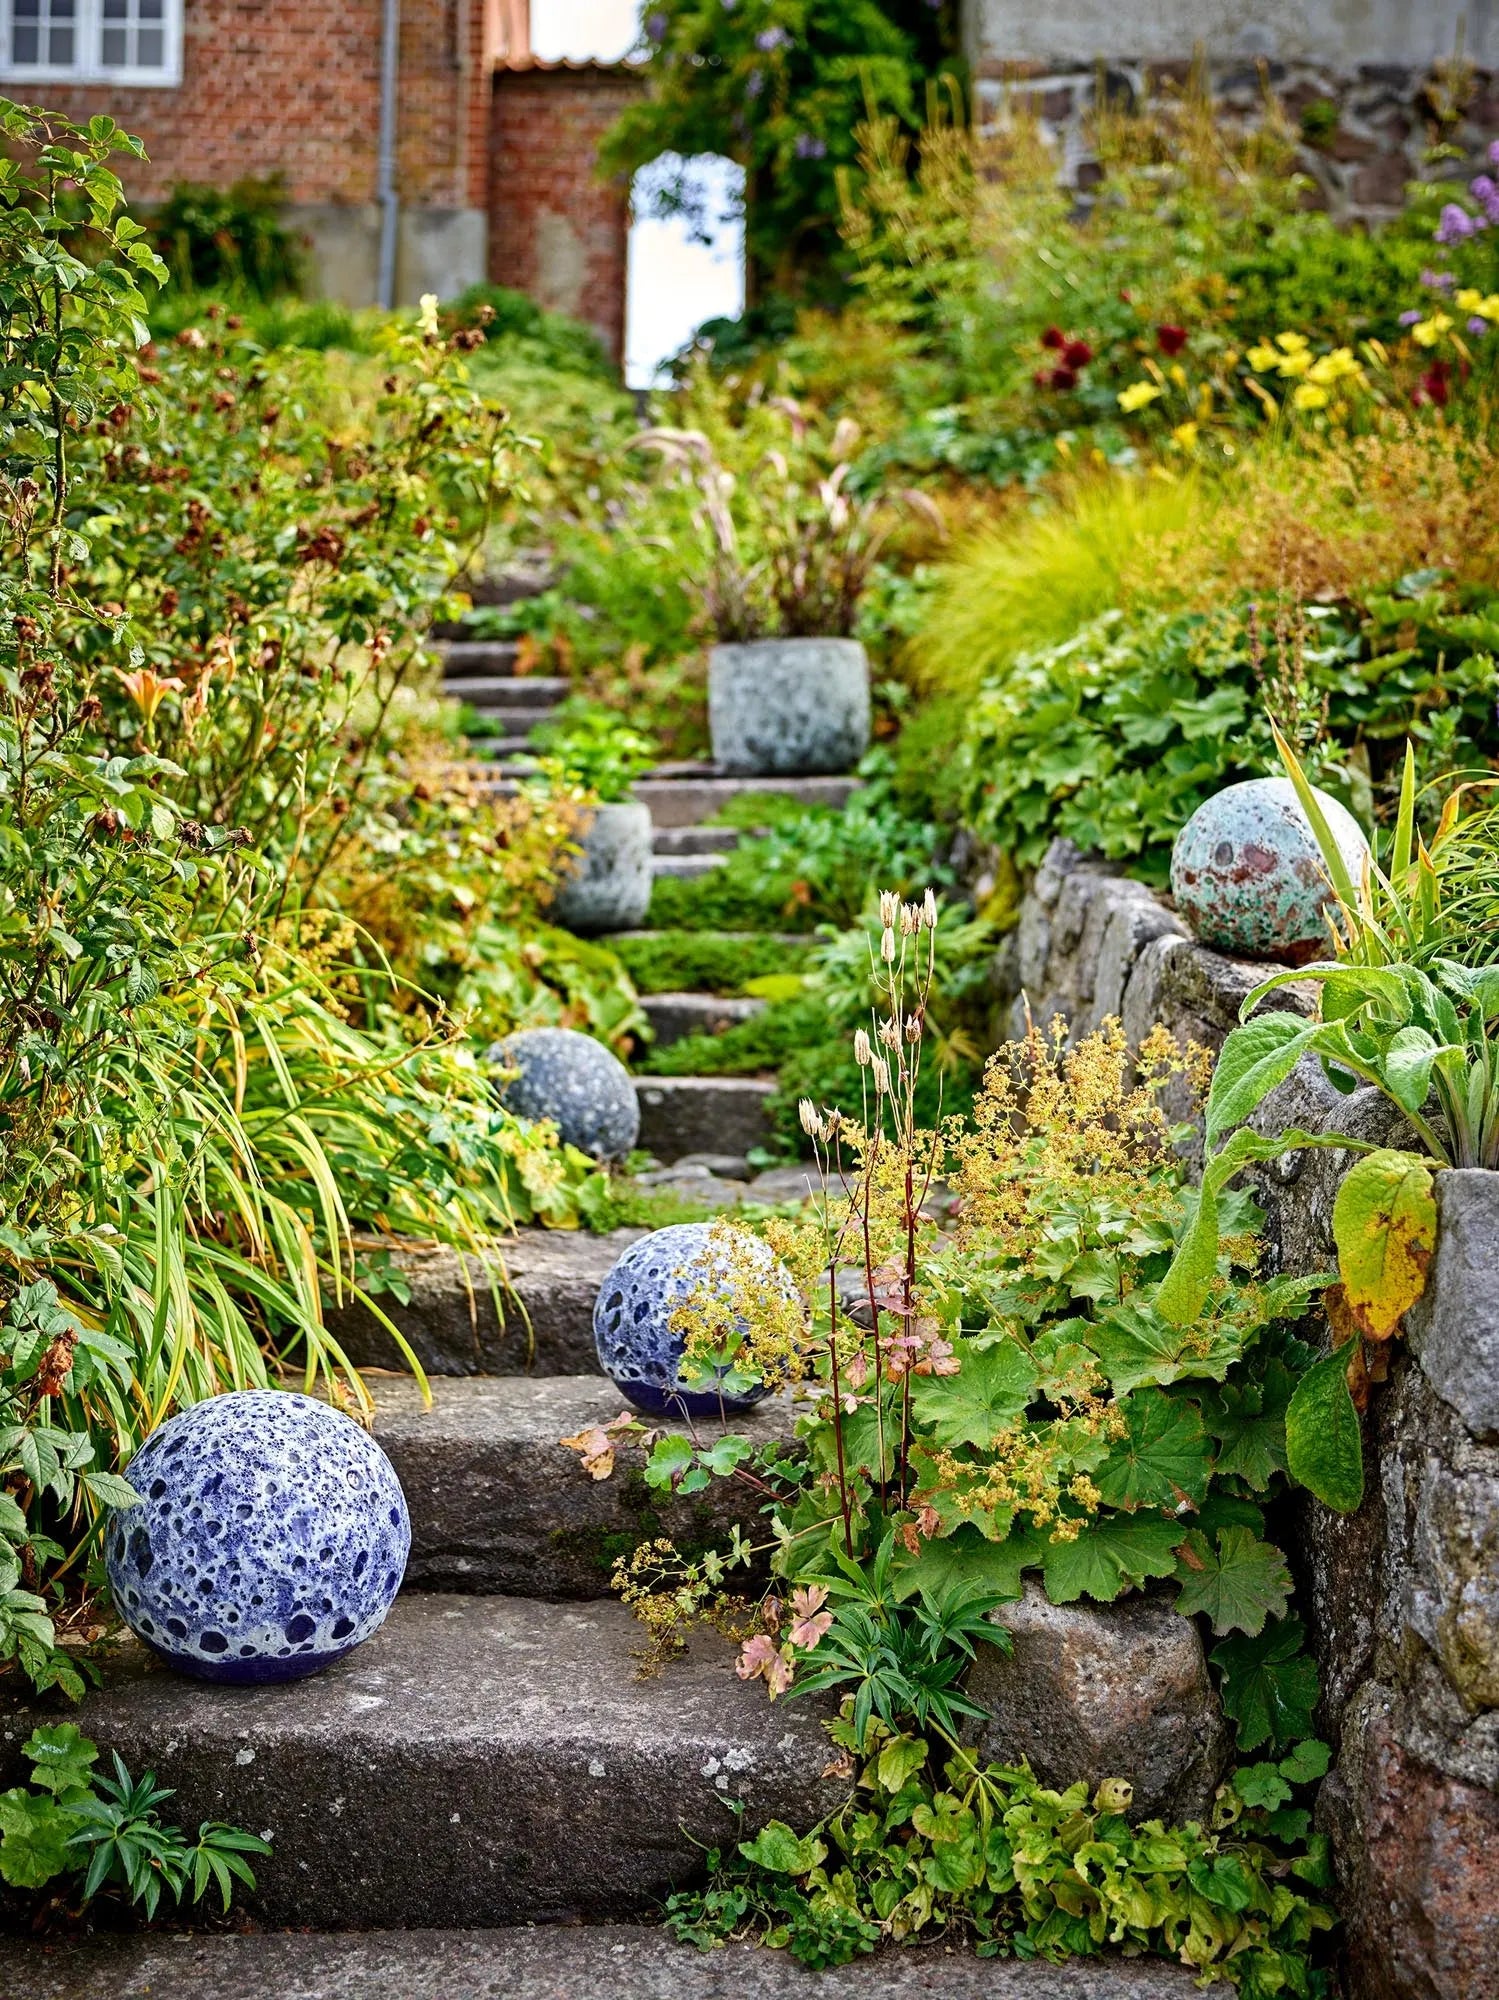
[862,1050]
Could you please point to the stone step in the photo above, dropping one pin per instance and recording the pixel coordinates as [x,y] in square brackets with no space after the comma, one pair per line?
[702,1114]
[685,866]
[498,1505]
[594,1962]
[465,658]
[488,692]
[481,1760]
[673,1015]
[544,1327]
[696,839]
[686,799]
[500,749]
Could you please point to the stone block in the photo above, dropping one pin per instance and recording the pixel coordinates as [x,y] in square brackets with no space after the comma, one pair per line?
[699,1114]
[1101,1691]
[1454,1328]
[482,1760]
[1133,922]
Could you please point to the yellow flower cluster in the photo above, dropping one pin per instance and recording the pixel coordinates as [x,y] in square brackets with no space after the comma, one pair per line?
[1316,376]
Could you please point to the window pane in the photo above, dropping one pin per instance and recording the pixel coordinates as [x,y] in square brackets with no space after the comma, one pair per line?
[23,44]
[62,10]
[149,53]
[150,10]
[114,56]
[117,10]
[60,47]
[27,10]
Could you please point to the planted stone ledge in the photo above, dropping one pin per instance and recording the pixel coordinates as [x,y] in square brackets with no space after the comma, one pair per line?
[479,1761]
[702,1114]
[544,1325]
[499,1505]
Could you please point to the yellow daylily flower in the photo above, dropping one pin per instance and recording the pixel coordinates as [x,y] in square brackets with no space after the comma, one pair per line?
[1469,300]
[1428,332]
[1310,396]
[1291,342]
[1296,362]
[1185,435]
[1178,375]
[1138,394]
[1262,357]
[1334,367]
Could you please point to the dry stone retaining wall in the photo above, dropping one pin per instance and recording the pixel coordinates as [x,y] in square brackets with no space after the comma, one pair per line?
[1401,1598]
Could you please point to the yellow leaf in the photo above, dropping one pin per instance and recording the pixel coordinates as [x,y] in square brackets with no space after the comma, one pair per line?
[1384,1222]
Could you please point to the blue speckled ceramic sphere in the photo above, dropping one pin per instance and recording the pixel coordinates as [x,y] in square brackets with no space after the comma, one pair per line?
[575,1081]
[271,1537]
[1248,876]
[638,1348]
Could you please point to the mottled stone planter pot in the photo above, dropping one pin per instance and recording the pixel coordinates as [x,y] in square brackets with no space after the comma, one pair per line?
[788,705]
[611,887]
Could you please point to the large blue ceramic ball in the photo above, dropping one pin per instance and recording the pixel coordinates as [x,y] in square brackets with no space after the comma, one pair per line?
[270,1539]
[638,1348]
[576,1082]
[1248,876]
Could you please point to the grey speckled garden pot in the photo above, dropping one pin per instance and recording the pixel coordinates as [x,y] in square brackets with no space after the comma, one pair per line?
[611,890]
[788,705]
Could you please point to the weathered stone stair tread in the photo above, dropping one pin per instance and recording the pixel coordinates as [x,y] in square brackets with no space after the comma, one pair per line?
[481,1760]
[596,1962]
[686,867]
[801,939]
[681,801]
[462,657]
[702,1114]
[553,1279]
[696,839]
[506,690]
[498,1505]
[674,1015]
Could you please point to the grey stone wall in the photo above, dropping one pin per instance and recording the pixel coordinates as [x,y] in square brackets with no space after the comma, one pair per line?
[1372,83]
[1401,1598]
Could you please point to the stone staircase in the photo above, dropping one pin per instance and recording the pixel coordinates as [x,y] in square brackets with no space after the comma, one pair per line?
[489,1762]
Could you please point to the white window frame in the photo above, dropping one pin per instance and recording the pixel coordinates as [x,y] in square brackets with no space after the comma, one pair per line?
[88,43]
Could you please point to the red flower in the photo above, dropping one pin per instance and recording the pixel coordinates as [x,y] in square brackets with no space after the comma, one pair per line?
[1171,339]
[1077,354]
[1063,378]
[1053,337]
[1435,385]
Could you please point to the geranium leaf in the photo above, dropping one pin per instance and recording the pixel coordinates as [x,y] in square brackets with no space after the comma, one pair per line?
[1237,1584]
[1108,1557]
[1137,1346]
[1270,1685]
[1249,1423]
[1163,1458]
[982,1401]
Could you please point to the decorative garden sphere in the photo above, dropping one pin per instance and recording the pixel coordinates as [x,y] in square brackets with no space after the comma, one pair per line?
[575,1081]
[270,1539]
[639,1349]
[1248,876]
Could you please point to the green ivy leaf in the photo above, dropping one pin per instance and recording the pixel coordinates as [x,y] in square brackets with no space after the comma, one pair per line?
[1109,1556]
[1163,1459]
[1270,1684]
[1237,1585]
[1324,1451]
[982,1401]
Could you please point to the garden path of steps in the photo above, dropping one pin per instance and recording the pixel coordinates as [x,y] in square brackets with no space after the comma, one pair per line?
[468,1806]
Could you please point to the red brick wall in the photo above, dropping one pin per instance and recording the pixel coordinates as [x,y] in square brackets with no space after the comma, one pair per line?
[273,86]
[555,229]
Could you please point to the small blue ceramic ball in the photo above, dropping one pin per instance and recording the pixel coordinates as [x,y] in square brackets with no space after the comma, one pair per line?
[638,1348]
[575,1081]
[270,1538]
[1247,873]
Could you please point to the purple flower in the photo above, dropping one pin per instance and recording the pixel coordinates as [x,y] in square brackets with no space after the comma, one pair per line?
[1477,325]
[1481,186]
[809,147]
[1409,318]
[754,83]
[771,38]
[1494,154]
[656,26]
[1439,281]
[728,5]
[1456,223]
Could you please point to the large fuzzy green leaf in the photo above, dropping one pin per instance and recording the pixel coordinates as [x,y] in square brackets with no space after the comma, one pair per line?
[1137,1346]
[1163,1459]
[1270,1684]
[1248,1421]
[1324,1451]
[1237,1583]
[1254,1059]
[1113,1554]
[982,1401]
